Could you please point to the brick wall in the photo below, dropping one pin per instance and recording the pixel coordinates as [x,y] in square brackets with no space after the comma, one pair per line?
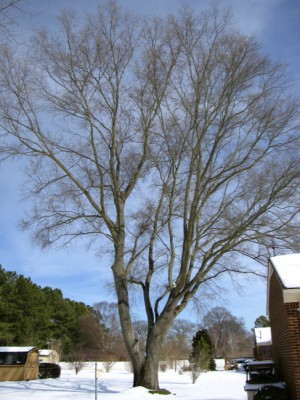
[285,324]
[262,353]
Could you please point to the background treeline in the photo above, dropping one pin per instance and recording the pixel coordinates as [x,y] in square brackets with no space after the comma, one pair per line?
[35,316]
[42,317]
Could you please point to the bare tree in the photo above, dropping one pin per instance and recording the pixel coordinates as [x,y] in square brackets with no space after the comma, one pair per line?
[114,348]
[228,334]
[7,19]
[182,328]
[108,315]
[5,7]
[178,342]
[172,143]
[6,4]
[91,337]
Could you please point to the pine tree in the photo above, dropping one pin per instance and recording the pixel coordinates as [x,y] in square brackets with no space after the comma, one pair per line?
[35,316]
[201,357]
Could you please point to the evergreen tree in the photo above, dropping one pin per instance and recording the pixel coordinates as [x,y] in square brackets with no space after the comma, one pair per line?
[35,316]
[262,322]
[202,354]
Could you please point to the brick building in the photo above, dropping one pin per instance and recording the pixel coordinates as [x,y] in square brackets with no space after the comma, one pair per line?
[284,314]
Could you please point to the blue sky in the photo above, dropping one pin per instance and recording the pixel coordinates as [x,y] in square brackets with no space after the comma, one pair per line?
[78,272]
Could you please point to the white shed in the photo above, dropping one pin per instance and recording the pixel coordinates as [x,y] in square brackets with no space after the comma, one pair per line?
[48,355]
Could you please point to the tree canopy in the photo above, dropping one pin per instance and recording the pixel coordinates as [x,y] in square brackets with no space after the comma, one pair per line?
[262,322]
[171,143]
[35,316]
[228,334]
[8,18]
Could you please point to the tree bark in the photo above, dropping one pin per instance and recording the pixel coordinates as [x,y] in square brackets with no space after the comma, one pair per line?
[145,366]
[146,374]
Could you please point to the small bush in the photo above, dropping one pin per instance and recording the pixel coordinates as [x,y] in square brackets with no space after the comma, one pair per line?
[163,366]
[77,365]
[195,375]
[187,368]
[49,370]
[108,365]
[270,393]
[212,365]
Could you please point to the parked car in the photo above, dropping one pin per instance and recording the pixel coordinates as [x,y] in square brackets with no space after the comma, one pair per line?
[240,364]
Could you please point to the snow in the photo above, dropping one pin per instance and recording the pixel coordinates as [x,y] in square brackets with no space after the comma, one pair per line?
[117,384]
[288,269]
[45,352]
[16,349]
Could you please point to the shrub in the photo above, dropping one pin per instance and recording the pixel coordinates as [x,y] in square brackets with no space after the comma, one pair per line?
[49,370]
[77,365]
[187,368]
[163,366]
[108,365]
[195,375]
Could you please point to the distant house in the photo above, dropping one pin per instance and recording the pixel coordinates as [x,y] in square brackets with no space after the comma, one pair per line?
[284,314]
[19,363]
[50,356]
[263,344]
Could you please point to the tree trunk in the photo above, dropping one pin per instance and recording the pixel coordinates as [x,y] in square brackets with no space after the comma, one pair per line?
[145,366]
[146,375]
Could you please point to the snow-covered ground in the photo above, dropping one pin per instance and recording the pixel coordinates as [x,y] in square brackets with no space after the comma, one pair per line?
[117,384]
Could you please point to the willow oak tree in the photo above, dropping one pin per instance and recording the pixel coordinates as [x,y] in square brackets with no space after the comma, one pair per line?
[8,10]
[171,143]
